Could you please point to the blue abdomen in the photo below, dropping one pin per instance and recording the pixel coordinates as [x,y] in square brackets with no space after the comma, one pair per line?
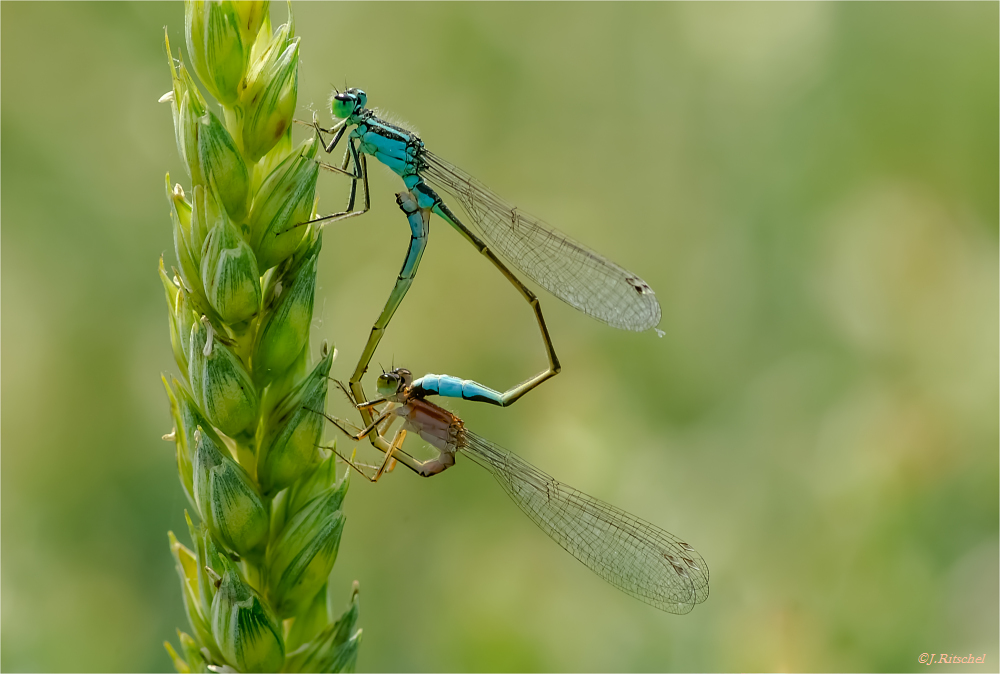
[452,387]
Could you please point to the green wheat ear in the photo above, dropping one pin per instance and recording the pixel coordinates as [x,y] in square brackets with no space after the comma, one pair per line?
[240,299]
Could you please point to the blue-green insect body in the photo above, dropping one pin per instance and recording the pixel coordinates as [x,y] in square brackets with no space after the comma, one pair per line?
[572,272]
[448,386]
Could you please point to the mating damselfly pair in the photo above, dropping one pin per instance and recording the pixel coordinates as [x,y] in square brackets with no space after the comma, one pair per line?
[635,556]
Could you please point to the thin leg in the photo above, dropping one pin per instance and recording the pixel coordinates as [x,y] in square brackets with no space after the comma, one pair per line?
[393,451]
[387,464]
[375,429]
[422,468]
[337,169]
[361,433]
[353,464]
[360,160]
[362,165]
[368,407]
[390,462]
[340,129]
[354,401]
[419,229]
[349,154]
[315,124]
[360,172]
[386,419]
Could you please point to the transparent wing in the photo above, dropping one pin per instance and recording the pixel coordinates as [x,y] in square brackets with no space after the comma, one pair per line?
[567,269]
[633,555]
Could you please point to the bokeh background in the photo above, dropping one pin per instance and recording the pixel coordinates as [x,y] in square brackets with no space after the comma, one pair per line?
[812,191]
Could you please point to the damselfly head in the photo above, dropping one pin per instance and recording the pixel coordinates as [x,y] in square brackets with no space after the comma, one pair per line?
[394,383]
[343,104]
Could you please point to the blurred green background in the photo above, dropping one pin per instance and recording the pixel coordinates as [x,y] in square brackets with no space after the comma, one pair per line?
[812,191]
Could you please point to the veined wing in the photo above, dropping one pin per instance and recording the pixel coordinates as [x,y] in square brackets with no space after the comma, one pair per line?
[635,556]
[569,270]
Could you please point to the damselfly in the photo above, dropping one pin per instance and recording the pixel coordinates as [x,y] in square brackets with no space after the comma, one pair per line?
[633,555]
